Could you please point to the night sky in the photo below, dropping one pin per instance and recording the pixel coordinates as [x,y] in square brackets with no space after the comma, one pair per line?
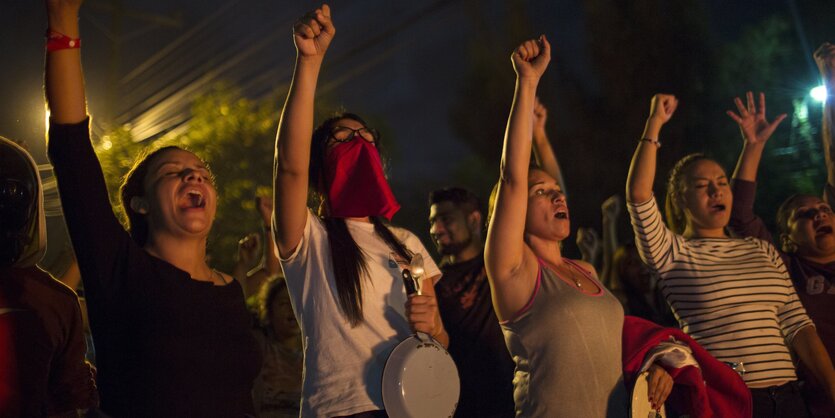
[397,62]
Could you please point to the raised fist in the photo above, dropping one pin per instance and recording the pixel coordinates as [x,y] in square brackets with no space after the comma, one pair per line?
[530,58]
[314,32]
[662,108]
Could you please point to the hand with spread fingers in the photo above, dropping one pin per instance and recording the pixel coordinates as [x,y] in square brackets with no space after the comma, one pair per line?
[314,32]
[755,127]
[531,58]
[659,385]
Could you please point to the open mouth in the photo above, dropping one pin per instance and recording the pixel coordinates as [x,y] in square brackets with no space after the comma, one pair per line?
[561,214]
[718,208]
[195,199]
[823,230]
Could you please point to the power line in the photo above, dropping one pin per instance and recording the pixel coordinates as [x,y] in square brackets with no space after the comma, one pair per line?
[165,110]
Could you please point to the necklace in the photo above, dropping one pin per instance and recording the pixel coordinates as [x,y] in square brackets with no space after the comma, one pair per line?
[569,275]
[572,275]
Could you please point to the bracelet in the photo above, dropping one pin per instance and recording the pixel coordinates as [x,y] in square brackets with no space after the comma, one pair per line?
[56,41]
[651,141]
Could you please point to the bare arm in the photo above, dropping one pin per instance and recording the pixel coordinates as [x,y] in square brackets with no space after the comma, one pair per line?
[809,348]
[588,242]
[505,253]
[546,159]
[756,130]
[642,170]
[825,58]
[64,79]
[312,35]
[611,211]
[268,266]
[269,258]
[72,276]
[247,253]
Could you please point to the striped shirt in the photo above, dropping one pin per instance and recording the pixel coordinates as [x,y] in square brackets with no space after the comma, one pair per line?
[733,296]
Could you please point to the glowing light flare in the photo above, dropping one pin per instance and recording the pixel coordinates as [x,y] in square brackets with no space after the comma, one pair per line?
[106,144]
[819,93]
[46,119]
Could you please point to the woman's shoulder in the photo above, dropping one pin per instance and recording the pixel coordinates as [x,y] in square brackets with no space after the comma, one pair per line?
[404,235]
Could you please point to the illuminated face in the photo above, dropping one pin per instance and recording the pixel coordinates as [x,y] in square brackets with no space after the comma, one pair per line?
[180,195]
[547,215]
[450,228]
[707,198]
[810,226]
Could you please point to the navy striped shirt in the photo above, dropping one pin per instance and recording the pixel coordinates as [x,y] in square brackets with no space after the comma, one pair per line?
[731,295]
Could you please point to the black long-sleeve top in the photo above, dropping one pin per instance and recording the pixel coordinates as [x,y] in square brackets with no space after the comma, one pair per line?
[166,345]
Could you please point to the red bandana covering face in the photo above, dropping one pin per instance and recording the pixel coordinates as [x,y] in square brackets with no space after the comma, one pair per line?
[356,184]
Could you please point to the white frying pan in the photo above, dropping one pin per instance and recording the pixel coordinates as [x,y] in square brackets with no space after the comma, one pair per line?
[420,379]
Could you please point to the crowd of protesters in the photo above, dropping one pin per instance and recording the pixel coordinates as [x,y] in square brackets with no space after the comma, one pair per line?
[701,308]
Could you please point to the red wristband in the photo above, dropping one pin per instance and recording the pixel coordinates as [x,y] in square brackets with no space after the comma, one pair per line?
[57,40]
[655,142]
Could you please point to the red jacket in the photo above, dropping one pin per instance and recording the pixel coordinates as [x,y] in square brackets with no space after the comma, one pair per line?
[711,390]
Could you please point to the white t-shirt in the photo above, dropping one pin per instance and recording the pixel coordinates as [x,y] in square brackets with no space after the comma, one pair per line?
[343,366]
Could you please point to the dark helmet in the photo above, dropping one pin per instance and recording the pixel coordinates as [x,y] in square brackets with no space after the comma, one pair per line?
[19,187]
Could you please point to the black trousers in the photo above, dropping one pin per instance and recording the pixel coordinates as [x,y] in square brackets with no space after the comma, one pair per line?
[782,401]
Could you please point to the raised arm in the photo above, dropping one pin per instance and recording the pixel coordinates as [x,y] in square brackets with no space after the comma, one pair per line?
[64,79]
[755,130]
[542,149]
[505,246]
[642,169]
[269,258]
[825,58]
[610,210]
[268,266]
[588,242]
[312,35]
[247,254]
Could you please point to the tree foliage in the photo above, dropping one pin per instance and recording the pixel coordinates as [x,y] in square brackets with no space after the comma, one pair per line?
[235,136]
[767,57]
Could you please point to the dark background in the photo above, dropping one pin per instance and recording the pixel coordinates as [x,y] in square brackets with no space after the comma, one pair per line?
[435,78]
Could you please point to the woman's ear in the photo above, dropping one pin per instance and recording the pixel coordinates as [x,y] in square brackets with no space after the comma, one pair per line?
[139,205]
[788,245]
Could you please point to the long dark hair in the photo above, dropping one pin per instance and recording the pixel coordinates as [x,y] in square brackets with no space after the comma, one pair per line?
[132,186]
[349,262]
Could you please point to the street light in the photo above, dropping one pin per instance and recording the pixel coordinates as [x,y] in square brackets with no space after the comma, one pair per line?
[819,93]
